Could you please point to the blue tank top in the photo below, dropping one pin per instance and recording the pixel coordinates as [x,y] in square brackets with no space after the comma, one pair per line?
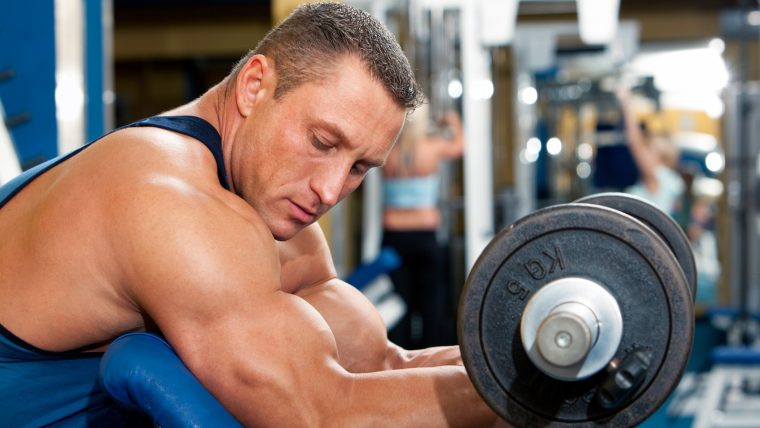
[411,192]
[40,388]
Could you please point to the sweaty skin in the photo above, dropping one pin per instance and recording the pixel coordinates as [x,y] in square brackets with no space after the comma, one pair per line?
[136,233]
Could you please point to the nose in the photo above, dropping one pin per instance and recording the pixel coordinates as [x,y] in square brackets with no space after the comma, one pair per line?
[329,184]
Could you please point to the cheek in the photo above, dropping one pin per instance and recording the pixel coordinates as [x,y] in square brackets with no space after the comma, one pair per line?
[351,185]
[288,169]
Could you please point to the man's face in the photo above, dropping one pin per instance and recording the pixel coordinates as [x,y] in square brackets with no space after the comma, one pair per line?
[296,157]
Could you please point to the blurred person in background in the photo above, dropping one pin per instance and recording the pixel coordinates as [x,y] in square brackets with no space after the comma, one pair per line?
[705,246]
[656,156]
[411,218]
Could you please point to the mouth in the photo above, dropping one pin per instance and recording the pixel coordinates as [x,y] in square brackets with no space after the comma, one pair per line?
[302,214]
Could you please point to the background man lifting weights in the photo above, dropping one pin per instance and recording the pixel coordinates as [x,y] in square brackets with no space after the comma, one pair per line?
[138,232]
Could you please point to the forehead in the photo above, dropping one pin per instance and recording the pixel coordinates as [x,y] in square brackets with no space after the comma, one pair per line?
[349,98]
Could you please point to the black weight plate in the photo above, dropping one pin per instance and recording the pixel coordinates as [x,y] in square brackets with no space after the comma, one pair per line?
[597,243]
[663,224]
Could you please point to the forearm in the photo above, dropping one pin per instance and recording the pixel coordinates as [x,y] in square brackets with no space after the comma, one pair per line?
[329,396]
[400,358]
[418,397]
[454,146]
[642,154]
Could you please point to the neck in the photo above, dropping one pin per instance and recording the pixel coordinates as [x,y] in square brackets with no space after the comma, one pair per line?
[215,107]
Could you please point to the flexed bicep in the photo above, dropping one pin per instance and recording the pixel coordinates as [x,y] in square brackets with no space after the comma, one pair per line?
[212,283]
[210,280]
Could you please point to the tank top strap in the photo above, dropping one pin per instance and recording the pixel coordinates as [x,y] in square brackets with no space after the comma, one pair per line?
[191,126]
[194,127]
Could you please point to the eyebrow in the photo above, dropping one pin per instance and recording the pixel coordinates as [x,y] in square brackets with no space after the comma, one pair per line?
[335,130]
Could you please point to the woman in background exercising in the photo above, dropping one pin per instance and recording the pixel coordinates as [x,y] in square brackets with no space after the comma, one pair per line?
[410,219]
[656,156]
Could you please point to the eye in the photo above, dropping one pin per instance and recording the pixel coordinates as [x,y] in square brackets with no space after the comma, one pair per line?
[318,144]
[359,169]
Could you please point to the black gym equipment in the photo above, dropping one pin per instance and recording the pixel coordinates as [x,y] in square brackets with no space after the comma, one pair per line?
[576,315]
[663,224]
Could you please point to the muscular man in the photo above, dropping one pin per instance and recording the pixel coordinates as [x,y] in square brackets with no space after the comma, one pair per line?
[200,224]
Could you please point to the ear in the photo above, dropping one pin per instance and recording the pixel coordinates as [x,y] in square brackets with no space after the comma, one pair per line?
[253,83]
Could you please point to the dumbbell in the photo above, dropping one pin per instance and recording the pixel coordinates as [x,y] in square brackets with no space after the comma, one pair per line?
[579,314]
[660,222]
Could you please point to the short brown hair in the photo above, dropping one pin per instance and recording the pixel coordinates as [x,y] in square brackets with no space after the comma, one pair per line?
[316,36]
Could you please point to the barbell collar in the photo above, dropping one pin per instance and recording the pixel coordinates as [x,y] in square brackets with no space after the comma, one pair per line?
[571,328]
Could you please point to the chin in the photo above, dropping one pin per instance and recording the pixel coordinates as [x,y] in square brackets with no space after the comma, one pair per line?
[281,238]
[285,233]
